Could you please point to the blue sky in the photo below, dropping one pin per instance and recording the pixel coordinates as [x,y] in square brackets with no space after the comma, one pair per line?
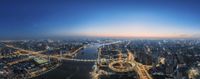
[104,18]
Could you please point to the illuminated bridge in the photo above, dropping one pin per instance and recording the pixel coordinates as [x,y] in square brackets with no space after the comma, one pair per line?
[80,60]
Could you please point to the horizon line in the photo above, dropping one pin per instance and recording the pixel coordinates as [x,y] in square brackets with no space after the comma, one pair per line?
[90,36]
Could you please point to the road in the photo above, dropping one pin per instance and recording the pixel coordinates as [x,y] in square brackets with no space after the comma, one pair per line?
[38,54]
[141,69]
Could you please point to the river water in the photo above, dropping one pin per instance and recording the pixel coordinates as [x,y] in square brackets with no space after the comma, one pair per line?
[72,69]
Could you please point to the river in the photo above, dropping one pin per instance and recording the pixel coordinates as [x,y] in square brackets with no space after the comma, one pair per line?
[74,70]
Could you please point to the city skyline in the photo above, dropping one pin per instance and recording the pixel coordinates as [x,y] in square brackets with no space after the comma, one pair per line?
[99,39]
[100,18]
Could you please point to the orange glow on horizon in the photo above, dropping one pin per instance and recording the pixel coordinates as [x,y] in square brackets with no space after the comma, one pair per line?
[139,35]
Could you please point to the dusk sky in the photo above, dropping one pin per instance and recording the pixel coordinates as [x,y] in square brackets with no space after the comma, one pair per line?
[102,18]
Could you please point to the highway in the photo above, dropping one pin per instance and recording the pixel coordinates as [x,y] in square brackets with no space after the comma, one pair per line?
[140,68]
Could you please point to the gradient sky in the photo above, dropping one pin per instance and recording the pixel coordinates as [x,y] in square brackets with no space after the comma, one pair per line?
[104,18]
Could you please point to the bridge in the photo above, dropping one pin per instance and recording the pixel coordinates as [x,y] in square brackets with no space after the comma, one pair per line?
[60,57]
[81,60]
